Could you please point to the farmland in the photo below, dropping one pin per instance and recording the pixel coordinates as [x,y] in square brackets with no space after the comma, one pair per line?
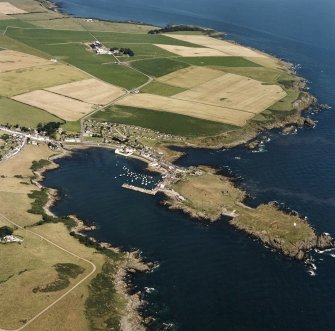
[193,75]
[225,47]
[33,78]
[13,112]
[190,77]
[58,105]
[188,108]
[90,91]
[8,9]
[190,51]
[159,88]
[158,67]
[11,60]
[236,92]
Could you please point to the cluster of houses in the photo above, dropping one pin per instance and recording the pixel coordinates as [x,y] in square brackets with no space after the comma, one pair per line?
[10,145]
[121,133]
[10,239]
[100,49]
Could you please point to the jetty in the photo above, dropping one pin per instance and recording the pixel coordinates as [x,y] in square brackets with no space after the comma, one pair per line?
[139,189]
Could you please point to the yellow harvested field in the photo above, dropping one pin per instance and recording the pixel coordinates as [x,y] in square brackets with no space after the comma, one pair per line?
[191,51]
[5,17]
[13,185]
[190,77]
[12,60]
[226,48]
[228,98]
[63,107]
[235,92]
[188,108]
[268,62]
[34,78]
[21,163]
[8,9]
[92,91]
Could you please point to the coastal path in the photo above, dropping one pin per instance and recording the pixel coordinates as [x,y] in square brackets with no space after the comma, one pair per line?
[94,268]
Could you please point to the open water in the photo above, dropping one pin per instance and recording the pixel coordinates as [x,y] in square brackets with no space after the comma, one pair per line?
[211,277]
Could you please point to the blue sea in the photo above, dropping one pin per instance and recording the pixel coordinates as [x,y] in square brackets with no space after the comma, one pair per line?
[211,277]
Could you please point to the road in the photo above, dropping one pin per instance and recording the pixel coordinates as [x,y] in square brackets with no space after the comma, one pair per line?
[94,268]
[27,135]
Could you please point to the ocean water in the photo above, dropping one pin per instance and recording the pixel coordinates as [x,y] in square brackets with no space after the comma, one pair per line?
[211,277]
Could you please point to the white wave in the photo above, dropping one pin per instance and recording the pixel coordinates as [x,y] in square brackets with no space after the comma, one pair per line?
[149,289]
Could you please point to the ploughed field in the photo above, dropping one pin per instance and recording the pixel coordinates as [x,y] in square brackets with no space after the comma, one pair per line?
[195,76]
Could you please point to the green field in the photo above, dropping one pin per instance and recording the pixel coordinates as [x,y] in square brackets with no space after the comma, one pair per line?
[9,43]
[159,67]
[162,89]
[222,61]
[13,112]
[162,121]
[72,126]
[133,38]
[16,23]
[75,53]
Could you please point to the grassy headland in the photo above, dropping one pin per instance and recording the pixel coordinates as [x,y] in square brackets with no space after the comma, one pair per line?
[209,195]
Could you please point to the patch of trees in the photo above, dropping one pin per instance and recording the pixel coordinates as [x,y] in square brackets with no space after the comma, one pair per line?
[67,221]
[176,28]
[38,165]
[50,128]
[5,137]
[65,271]
[124,51]
[5,231]
[40,199]
[88,242]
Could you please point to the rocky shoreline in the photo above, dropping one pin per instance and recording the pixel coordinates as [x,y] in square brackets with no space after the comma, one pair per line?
[283,231]
[300,251]
[131,320]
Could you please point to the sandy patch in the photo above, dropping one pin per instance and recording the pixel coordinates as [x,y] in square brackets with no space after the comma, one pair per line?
[226,48]
[91,91]
[12,60]
[190,77]
[236,92]
[8,9]
[61,106]
[191,51]
[189,108]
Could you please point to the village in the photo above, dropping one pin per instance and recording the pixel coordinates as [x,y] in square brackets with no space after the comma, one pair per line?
[127,142]
[10,144]
[124,139]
